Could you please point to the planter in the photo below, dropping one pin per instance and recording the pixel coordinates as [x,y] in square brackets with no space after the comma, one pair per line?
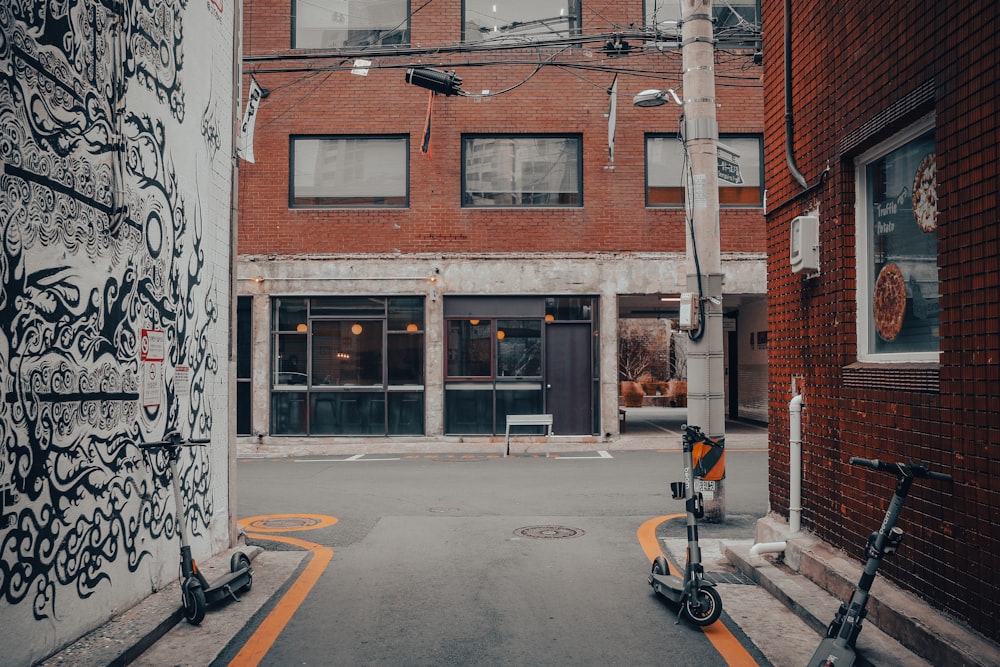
[632,394]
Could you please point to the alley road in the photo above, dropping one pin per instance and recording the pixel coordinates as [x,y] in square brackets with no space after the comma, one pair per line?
[479,560]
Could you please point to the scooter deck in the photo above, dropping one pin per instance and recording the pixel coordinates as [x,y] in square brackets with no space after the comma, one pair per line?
[667,585]
[226,585]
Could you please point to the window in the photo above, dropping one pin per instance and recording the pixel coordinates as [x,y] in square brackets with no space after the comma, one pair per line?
[348,366]
[521,20]
[897,248]
[740,176]
[737,22]
[338,24]
[522,171]
[349,172]
[244,365]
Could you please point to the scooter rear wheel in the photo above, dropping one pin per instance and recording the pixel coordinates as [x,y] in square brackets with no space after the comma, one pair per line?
[240,561]
[707,609]
[193,601]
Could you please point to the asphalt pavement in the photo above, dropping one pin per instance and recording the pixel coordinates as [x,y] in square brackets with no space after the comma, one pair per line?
[781,602]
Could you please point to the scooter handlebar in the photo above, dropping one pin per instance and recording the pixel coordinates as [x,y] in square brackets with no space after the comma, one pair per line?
[914,469]
[174,440]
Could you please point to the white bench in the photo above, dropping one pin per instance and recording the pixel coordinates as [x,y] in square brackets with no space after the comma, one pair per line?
[528,420]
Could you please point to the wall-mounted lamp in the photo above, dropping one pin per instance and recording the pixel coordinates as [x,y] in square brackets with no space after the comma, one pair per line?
[473,322]
[259,279]
[655,98]
[356,329]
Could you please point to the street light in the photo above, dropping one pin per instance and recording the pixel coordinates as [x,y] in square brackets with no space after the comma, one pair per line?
[655,98]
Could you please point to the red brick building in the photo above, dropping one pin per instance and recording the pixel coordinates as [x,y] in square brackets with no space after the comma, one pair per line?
[893,340]
[395,285]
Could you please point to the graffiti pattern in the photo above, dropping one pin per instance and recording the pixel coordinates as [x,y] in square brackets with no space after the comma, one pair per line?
[98,243]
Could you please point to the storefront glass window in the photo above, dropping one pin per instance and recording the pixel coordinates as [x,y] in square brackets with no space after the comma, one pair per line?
[897,222]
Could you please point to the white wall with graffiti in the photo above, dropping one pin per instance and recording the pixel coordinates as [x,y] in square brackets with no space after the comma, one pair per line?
[116,122]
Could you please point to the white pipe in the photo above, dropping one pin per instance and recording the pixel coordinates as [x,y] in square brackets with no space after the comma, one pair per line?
[767,548]
[795,463]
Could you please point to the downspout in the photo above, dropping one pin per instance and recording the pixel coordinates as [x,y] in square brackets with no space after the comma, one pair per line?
[789,123]
[795,464]
[794,479]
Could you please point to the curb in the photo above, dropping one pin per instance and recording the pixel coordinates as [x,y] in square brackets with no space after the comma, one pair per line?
[818,577]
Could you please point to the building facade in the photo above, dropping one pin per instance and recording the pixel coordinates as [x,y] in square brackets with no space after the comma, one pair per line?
[116,186]
[422,265]
[890,331]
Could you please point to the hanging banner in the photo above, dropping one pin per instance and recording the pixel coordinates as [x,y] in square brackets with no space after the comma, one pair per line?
[245,148]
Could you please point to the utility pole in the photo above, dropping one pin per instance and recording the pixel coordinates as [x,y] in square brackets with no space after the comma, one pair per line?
[706,372]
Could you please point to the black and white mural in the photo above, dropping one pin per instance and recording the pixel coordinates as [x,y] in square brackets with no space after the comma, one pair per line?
[114,201]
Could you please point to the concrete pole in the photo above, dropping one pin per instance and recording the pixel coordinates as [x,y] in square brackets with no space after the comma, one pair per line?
[706,390]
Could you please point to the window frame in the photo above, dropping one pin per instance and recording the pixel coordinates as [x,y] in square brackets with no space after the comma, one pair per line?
[727,138]
[466,198]
[529,38]
[294,29]
[368,201]
[864,249]
[728,36]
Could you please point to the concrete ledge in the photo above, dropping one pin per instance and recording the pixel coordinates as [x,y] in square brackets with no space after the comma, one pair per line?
[912,622]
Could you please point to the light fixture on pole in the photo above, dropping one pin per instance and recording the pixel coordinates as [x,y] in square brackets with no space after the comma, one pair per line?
[655,98]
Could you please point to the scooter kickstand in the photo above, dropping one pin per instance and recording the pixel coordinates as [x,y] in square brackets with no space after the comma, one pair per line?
[229,591]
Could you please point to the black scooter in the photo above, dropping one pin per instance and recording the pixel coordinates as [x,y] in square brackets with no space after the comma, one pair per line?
[697,597]
[837,649]
[196,592]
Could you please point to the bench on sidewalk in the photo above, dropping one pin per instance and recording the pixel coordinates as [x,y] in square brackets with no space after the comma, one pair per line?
[528,420]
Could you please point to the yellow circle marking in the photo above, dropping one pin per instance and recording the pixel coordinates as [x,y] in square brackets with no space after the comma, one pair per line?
[287,523]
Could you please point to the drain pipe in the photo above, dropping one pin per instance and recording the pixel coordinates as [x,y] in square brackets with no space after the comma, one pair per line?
[794,479]
[794,464]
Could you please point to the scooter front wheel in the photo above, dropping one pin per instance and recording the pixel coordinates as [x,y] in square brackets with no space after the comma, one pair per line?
[704,607]
[193,601]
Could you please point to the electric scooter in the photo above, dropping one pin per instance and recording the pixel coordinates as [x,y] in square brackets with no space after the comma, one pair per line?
[697,597]
[837,649]
[196,592]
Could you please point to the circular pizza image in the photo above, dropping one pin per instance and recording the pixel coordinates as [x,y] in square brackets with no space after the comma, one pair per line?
[925,193]
[889,302]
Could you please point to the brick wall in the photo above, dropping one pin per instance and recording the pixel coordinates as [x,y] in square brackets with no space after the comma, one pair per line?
[557,99]
[862,72]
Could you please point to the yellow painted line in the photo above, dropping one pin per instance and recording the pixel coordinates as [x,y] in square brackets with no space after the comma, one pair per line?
[722,638]
[265,635]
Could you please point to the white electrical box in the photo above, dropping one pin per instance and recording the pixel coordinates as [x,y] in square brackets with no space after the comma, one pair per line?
[804,246]
[687,320]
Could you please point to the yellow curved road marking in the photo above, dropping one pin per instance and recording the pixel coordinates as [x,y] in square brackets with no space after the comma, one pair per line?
[265,635]
[722,639]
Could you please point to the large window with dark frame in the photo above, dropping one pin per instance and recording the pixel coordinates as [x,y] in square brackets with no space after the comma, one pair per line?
[741,172]
[346,24]
[897,248]
[520,20]
[522,170]
[347,365]
[349,172]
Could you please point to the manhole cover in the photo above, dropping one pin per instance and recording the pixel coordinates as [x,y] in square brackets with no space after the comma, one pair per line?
[548,532]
